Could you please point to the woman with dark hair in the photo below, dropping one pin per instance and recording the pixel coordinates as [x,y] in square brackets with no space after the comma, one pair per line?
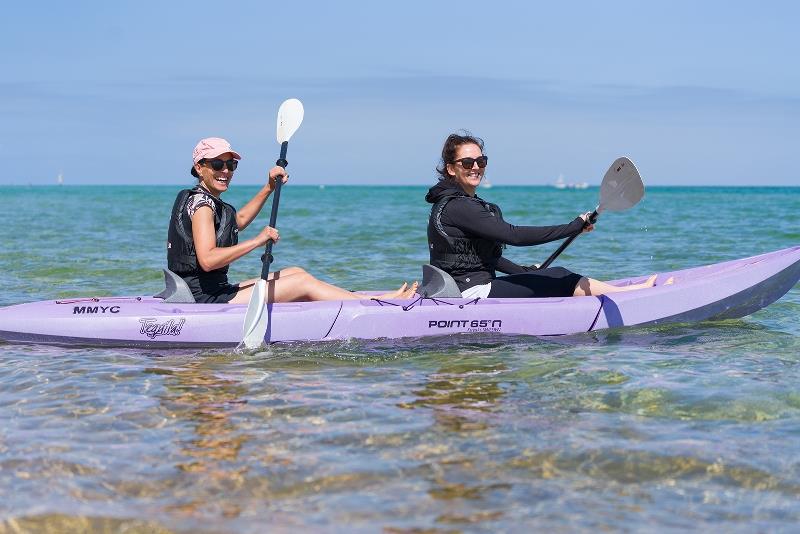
[203,237]
[466,236]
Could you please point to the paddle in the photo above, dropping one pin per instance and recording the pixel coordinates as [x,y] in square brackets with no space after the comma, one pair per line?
[256,319]
[622,188]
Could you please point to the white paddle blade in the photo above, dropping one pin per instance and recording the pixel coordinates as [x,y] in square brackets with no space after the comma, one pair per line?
[290,115]
[255,320]
[622,187]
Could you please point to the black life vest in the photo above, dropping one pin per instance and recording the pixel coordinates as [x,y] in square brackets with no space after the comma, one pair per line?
[181,255]
[469,260]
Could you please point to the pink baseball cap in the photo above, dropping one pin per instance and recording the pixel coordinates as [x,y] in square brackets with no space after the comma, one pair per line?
[209,148]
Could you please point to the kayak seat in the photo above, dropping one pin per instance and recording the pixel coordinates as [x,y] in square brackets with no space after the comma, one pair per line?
[437,283]
[175,289]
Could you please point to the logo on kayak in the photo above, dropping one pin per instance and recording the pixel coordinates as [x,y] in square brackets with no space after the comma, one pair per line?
[80,310]
[152,328]
[473,325]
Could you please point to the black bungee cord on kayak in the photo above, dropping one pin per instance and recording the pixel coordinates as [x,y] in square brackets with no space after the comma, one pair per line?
[421,298]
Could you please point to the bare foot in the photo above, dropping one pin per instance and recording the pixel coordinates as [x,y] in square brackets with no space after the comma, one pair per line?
[404,292]
[650,282]
[412,290]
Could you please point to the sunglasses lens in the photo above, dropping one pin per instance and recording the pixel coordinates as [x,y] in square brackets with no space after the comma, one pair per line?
[217,164]
[468,163]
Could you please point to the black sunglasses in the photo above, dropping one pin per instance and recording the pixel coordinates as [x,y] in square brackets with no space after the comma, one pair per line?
[218,164]
[468,163]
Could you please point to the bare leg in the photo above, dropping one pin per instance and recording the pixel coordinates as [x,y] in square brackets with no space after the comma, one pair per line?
[283,273]
[300,286]
[590,286]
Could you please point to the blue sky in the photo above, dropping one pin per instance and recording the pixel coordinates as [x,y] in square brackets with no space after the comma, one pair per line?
[703,93]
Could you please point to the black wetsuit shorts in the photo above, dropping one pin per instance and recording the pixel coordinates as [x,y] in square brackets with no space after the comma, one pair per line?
[211,289]
[550,282]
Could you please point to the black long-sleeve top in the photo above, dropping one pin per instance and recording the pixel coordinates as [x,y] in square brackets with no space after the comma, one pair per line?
[466,218]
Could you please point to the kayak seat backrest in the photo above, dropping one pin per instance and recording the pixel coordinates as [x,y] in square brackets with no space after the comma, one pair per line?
[437,283]
[175,289]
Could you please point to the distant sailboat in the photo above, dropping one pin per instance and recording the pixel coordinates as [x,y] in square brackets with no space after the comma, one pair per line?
[60,179]
[485,183]
[561,184]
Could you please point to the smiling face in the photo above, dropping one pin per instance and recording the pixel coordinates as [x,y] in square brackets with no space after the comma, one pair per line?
[216,182]
[468,179]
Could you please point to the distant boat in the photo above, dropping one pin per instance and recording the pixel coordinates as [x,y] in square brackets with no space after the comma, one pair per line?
[485,183]
[561,184]
[60,179]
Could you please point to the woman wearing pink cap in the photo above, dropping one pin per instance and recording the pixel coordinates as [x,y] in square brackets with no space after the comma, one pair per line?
[204,237]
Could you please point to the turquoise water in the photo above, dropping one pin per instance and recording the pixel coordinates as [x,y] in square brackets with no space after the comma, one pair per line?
[679,427]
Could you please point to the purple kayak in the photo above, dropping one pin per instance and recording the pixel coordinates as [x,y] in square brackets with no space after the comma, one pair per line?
[720,291]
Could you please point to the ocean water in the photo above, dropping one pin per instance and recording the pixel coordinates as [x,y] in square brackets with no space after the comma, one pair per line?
[688,426]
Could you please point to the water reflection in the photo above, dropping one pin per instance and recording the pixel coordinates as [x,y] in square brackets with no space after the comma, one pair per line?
[625,466]
[208,402]
[463,396]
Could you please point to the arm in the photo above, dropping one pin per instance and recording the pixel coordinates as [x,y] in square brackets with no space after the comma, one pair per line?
[475,220]
[250,210]
[209,255]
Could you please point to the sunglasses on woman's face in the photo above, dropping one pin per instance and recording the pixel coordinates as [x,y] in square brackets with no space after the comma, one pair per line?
[468,163]
[218,164]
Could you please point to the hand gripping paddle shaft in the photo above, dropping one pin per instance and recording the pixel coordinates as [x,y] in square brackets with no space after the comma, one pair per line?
[622,188]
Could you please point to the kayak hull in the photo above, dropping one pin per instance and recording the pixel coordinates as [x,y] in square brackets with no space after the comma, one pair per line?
[720,291]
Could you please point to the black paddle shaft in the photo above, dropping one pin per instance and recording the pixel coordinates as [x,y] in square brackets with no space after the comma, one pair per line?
[565,244]
[266,259]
